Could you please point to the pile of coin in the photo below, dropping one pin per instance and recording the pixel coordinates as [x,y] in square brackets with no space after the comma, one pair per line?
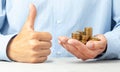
[84,36]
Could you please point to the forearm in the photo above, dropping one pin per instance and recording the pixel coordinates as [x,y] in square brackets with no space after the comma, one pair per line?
[113,44]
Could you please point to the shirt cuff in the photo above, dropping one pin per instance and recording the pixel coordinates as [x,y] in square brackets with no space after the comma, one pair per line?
[4,40]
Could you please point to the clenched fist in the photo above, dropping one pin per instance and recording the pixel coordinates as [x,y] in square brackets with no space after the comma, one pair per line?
[30,46]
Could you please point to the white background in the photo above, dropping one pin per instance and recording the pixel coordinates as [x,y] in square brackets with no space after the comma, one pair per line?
[62,65]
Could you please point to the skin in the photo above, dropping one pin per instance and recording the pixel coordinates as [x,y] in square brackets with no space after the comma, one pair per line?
[81,51]
[30,46]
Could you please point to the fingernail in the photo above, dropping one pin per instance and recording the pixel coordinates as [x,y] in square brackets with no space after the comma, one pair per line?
[30,5]
[90,45]
[59,41]
[63,39]
[70,41]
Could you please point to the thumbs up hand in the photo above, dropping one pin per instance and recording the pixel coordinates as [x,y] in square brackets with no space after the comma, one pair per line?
[30,46]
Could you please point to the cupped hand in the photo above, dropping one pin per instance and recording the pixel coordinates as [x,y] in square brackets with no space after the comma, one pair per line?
[82,51]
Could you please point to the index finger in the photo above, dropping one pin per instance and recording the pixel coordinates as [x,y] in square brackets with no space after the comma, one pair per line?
[42,36]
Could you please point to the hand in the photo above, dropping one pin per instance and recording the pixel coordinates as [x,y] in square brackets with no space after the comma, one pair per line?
[81,51]
[30,46]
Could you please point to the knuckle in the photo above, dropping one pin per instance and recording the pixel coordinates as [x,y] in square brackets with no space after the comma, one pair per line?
[47,45]
[49,51]
[49,35]
[33,43]
[43,59]
[50,44]
[38,60]
[33,35]
[34,60]
[46,52]
[33,54]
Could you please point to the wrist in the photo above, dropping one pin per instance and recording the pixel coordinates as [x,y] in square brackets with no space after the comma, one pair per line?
[9,46]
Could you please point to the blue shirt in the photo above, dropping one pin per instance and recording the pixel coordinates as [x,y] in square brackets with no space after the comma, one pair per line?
[61,18]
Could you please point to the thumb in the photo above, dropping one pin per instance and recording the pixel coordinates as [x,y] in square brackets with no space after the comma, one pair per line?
[31,17]
[90,45]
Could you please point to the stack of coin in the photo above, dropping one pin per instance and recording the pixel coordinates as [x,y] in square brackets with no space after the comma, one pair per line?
[94,39]
[76,35]
[84,39]
[84,36]
[88,31]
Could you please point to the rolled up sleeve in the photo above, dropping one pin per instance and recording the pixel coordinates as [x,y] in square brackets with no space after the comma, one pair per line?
[113,37]
[4,39]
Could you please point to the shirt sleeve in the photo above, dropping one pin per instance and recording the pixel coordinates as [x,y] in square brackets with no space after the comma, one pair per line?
[4,39]
[113,37]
